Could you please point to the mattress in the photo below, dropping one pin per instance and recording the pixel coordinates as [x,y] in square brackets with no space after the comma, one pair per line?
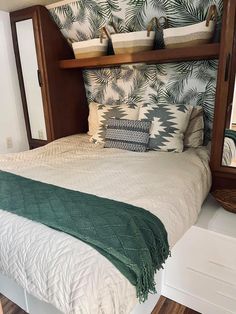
[229,153]
[62,270]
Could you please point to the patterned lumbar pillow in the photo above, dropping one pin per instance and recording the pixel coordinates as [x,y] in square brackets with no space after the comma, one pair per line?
[106,112]
[127,134]
[194,134]
[169,122]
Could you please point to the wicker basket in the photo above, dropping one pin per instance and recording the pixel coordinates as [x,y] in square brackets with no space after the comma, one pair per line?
[192,35]
[135,41]
[91,48]
[226,198]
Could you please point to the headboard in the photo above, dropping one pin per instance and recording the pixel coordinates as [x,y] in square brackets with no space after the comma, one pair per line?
[192,82]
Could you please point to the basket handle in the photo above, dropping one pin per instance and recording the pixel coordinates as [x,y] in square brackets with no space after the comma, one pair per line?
[150,25]
[157,22]
[212,14]
[103,30]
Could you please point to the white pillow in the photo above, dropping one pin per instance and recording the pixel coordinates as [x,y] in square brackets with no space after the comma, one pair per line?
[105,112]
[194,134]
[169,123]
[93,118]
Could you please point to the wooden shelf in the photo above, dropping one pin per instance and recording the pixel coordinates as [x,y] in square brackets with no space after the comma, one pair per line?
[209,51]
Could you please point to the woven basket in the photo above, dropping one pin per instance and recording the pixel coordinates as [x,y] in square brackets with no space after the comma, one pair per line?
[135,41]
[192,35]
[91,48]
[226,198]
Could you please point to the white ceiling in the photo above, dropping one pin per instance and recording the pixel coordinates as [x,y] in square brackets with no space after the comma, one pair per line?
[12,5]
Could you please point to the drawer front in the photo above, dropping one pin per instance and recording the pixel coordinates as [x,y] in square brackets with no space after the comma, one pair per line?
[203,265]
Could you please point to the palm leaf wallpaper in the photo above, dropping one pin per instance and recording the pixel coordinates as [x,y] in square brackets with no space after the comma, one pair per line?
[181,83]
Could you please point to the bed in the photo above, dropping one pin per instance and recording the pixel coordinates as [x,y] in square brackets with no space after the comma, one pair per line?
[67,273]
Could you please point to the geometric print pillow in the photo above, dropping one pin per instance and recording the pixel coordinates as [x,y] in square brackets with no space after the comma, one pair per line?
[169,123]
[106,112]
[126,134]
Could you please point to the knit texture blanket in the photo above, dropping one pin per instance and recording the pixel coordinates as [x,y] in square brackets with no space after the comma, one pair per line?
[231,134]
[130,237]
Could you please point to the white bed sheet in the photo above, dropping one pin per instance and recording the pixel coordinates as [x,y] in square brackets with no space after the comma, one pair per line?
[66,272]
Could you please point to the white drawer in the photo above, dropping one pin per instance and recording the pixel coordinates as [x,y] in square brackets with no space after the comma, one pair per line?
[203,265]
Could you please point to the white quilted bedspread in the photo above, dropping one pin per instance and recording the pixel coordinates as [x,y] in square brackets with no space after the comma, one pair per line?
[64,271]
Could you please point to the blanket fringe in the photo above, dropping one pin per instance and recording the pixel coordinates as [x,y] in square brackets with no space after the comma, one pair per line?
[146,283]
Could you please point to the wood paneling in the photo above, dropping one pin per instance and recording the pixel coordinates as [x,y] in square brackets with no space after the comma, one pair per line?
[9,307]
[167,306]
[209,51]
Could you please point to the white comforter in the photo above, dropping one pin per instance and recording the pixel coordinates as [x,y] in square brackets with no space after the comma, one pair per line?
[64,271]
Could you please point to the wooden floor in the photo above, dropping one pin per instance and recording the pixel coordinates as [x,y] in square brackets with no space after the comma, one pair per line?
[9,307]
[164,306]
[167,306]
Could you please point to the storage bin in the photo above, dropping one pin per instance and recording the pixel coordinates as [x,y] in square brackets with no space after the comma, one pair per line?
[96,47]
[192,35]
[134,41]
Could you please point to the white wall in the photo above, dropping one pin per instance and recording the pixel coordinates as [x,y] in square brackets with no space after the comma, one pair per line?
[12,123]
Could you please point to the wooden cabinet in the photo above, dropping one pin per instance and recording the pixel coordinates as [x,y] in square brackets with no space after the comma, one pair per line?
[201,273]
[54,100]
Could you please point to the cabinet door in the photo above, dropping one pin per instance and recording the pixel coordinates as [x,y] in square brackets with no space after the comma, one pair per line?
[54,101]
[31,78]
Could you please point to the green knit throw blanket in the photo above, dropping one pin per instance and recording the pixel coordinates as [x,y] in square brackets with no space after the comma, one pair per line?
[130,237]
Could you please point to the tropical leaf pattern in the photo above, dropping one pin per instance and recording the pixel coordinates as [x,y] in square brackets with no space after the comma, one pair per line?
[178,83]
